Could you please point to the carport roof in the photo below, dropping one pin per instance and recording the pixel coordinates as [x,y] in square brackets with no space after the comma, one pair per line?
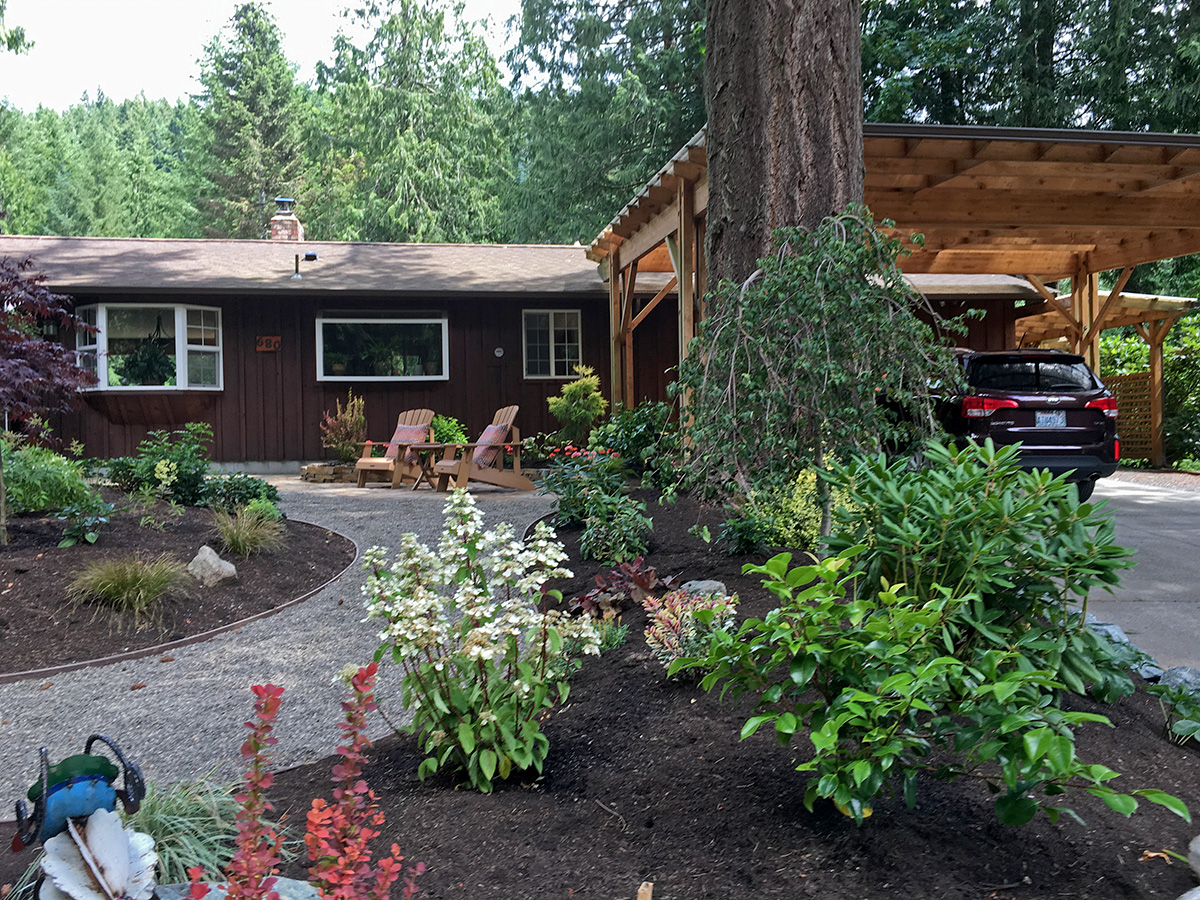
[1030,201]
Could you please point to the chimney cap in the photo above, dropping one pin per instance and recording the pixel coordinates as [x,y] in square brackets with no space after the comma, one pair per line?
[283,205]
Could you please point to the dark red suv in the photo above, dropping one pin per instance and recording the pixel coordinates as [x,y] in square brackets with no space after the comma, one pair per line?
[1049,401]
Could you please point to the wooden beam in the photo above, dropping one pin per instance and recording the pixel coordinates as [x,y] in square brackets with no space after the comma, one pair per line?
[614,330]
[1055,303]
[977,208]
[654,301]
[1096,327]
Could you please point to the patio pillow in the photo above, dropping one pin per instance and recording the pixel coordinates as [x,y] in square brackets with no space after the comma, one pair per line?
[493,435]
[407,434]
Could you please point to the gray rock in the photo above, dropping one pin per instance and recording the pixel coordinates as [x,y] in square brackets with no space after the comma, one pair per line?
[210,569]
[1184,677]
[1114,633]
[1149,671]
[287,888]
[705,587]
[1194,854]
[1193,894]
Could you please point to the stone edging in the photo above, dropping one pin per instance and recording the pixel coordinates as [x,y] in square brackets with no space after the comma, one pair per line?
[49,671]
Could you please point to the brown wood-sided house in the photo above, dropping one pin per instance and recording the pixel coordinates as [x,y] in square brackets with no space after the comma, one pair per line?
[260,338]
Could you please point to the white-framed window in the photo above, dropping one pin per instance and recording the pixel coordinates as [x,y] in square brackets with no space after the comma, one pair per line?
[552,343]
[415,349]
[151,346]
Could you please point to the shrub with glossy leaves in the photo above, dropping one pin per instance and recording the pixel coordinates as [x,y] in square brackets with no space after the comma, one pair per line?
[170,464]
[872,682]
[235,490]
[1017,543]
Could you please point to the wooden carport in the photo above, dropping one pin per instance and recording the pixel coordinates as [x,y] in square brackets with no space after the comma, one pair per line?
[1047,205]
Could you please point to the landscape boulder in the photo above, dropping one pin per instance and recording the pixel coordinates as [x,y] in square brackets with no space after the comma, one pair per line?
[210,569]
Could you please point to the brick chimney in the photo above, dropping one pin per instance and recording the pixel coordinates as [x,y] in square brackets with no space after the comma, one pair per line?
[284,224]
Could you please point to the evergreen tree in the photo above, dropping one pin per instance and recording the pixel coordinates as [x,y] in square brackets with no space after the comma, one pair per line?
[611,90]
[406,141]
[250,108]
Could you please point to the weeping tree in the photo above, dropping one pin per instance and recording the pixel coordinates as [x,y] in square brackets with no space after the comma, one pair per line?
[38,375]
[818,353]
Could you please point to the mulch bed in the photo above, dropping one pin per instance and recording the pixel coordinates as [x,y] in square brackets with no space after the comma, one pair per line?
[647,781]
[39,627]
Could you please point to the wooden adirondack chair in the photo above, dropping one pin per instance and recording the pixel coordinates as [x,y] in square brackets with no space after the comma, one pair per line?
[399,462]
[483,460]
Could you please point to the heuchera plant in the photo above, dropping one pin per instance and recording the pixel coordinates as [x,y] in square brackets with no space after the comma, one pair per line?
[339,833]
[480,660]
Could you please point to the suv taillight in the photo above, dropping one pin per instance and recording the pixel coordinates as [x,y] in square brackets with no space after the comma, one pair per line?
[979,407]
[1107,405]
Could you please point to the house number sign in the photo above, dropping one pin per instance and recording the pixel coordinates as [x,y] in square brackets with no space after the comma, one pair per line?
[266,343]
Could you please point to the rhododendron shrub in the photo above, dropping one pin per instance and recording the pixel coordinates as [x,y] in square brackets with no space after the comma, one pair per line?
[479,656]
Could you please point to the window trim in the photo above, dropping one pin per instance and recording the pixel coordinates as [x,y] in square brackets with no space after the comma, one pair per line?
[323,376]
[97,344]
[525,314]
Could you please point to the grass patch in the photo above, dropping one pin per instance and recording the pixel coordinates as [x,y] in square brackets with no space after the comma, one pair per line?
[248,531]
[129,584]
[192,824]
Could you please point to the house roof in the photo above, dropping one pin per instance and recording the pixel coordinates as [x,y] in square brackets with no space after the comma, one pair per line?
[988,200]
[115,265]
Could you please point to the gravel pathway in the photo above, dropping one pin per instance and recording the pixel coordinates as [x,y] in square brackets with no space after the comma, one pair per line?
[187,720]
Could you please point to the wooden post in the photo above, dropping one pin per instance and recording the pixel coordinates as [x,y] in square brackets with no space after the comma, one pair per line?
[1158,332]
[1090,341]
[687,265]
[614,328]
[627,333]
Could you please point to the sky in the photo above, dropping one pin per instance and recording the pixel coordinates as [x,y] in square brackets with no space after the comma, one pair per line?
[125,47]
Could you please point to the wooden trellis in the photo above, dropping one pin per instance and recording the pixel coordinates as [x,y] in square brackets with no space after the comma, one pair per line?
[1134,419]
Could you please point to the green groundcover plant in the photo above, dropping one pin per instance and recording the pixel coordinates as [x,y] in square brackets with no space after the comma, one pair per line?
[481,661]
[939,639]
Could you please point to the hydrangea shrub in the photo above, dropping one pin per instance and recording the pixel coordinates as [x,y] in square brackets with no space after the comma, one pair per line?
[481,661]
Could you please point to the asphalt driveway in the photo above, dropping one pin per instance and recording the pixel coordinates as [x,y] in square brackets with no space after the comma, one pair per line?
[1158,603]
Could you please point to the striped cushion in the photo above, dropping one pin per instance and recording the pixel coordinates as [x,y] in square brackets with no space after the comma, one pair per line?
[493,435]
[407,434]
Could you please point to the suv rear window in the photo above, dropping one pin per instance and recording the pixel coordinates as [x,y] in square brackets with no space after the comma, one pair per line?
[1029,375]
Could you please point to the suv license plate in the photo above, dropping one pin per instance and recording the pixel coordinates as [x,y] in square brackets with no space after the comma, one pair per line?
[1050,418]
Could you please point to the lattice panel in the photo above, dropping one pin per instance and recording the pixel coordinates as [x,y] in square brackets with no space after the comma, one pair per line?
[1133,413]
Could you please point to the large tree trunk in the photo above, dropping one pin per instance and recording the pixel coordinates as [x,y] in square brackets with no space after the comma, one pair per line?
[783,83]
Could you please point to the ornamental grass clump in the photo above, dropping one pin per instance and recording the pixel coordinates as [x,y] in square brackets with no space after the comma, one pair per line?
[129,584]
[249,530]
[480,659]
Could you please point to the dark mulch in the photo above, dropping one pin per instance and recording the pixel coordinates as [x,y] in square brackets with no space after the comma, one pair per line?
[39,627]
[646,781]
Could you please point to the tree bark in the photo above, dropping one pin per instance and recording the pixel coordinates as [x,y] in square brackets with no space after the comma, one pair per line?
[783,84]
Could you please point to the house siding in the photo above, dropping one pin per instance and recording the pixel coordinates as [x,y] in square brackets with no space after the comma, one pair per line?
[272,405]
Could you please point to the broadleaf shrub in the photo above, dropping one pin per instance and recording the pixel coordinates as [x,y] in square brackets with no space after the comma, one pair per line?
[37,479]
[170,464]
[940,638]
[869,678]
[236,489]
[590,488]
[448,430]
[1016,542]
[480,661]
[646,436]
